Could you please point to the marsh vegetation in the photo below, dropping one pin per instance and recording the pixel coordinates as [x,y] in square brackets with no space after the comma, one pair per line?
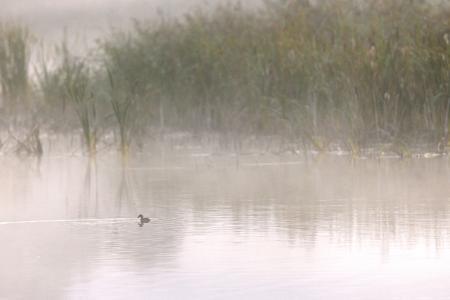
[333,75]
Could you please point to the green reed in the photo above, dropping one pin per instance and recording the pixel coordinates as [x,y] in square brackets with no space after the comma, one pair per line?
[15,43]
[351,73]
[76,84]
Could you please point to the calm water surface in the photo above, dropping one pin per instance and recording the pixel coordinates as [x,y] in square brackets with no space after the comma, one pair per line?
[329,229]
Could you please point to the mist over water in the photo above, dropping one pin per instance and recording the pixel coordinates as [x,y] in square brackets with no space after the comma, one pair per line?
[299,151]
[331,228]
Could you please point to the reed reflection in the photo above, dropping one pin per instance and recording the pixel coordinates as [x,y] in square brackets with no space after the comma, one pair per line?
[325,214]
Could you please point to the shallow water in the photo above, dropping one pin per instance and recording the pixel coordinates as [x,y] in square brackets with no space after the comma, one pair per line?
[326,229]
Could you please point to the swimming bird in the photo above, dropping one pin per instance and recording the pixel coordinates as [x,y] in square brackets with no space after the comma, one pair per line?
[143,220]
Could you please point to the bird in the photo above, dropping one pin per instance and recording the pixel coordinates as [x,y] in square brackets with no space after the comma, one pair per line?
[143,220]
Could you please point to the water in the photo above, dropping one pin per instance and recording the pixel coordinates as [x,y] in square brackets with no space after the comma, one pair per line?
[328,229]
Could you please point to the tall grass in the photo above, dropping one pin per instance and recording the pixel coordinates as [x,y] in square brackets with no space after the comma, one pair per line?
[14,62]
[126,85]
[77,87]
[335,73]
[325,73]
[121,105]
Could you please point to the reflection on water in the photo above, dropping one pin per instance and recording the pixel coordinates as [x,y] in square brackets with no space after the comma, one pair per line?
[326,229]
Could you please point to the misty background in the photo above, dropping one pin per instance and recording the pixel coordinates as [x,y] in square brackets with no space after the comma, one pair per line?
[92,17]
[346,76]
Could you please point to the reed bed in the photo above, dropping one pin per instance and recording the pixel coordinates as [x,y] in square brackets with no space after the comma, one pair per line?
[344,74]
[15,44]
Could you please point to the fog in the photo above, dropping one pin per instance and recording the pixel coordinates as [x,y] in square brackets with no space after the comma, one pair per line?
[92,17]
[329,228]
[298,151]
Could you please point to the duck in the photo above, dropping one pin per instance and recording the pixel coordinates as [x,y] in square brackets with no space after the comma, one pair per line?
[143,219]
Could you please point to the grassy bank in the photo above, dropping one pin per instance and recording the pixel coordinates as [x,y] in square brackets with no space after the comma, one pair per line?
[338,74]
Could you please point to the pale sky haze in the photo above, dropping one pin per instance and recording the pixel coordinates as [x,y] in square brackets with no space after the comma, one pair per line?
[91,17]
